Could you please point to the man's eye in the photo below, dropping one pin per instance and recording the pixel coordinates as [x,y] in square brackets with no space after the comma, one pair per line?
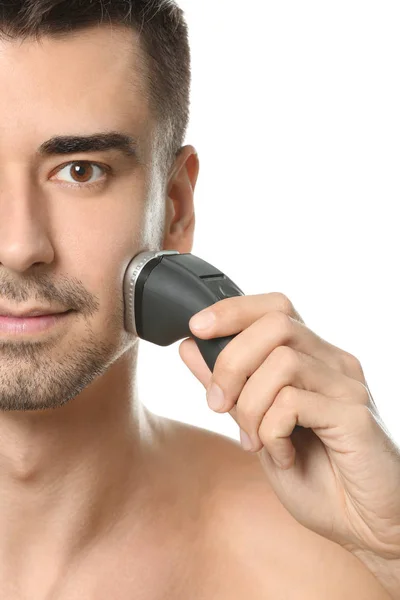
[80,173]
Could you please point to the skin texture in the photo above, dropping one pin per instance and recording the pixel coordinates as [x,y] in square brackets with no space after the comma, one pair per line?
[96,493]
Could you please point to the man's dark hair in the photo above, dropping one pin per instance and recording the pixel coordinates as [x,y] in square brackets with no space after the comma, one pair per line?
[163,36]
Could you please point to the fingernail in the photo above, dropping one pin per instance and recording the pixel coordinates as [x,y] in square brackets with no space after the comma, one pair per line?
[245,440]
[215,397]
[202,320]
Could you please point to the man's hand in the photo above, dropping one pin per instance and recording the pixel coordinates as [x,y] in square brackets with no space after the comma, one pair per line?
[340,472]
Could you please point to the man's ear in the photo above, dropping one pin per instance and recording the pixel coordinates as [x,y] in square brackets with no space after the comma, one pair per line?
[180,213]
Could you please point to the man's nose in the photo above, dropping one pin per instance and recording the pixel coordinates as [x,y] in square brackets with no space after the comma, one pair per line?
[24,234]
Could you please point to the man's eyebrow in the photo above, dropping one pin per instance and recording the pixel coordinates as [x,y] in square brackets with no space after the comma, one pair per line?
[70,144]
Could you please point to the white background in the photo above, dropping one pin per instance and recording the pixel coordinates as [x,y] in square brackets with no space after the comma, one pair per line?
[295,116]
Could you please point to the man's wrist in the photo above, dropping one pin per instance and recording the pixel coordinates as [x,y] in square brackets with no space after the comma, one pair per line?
[386,571]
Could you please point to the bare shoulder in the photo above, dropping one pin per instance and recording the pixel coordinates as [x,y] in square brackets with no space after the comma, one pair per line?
[252,543]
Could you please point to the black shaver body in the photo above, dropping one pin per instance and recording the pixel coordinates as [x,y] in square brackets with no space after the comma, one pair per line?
[164,289]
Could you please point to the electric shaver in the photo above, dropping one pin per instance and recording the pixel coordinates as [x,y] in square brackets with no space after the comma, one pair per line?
[163,290]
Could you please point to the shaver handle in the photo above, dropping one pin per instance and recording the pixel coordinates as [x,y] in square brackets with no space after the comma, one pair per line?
[210,349]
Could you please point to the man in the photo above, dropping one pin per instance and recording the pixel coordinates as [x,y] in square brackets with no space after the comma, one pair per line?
[101,499]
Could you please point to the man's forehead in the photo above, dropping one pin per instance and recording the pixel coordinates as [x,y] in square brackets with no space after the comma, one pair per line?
[69,89]
[97,58]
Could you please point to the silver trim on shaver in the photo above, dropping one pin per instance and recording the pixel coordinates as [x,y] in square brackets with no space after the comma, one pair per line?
[131,276]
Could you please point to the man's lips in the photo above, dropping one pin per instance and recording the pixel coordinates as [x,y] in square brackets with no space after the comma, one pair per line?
[36,324]
[33,312]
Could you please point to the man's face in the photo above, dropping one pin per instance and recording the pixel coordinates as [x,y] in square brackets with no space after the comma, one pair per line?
[68,247]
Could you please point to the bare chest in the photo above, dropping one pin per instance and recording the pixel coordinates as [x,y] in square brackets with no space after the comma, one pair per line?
[186,575]
[171,568]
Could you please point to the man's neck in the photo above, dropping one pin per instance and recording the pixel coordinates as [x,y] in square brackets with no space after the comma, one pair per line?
[67,475]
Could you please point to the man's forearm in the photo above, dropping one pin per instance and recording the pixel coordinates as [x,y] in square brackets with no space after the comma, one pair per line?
[387,572]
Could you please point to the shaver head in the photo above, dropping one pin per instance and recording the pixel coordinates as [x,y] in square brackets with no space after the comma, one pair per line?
[138,267]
